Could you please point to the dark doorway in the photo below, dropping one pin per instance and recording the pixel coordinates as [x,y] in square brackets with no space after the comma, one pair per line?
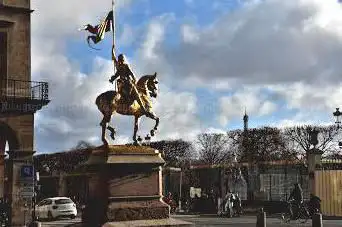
[7,135]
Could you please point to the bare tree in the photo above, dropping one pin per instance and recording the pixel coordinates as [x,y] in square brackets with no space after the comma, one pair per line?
[213,148]
[174,151]
[260,144]
[298,138]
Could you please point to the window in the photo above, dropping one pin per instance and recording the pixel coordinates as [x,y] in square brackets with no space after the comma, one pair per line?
[42,203]
[63,201]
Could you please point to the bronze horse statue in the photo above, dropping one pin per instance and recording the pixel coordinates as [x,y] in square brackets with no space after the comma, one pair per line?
[110,102]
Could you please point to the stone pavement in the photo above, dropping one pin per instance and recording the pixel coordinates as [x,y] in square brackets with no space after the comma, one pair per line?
[246,221]
[212,220]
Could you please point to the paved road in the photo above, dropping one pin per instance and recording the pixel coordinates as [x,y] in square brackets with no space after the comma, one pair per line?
[61,223]
[210,220]
[246,221]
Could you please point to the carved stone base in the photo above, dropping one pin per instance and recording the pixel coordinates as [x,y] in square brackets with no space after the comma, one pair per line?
[137,210]
[125,184]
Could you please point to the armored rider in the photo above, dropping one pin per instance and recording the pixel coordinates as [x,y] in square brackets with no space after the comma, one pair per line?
[127,78]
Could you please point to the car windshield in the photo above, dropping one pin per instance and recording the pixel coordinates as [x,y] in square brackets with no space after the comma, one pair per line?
[63,201]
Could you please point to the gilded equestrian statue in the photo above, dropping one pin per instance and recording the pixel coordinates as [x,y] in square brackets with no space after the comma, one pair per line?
[133,98]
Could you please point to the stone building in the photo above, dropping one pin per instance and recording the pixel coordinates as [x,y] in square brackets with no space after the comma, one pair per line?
[20,98]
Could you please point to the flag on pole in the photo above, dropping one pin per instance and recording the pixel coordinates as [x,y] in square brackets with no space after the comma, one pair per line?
[99,30]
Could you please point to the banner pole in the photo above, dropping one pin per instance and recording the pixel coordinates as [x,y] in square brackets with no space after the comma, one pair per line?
[113,30]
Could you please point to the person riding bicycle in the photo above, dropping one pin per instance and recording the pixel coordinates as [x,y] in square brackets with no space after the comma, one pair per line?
[237,204]
[169,201]
[297,199]
[228,203]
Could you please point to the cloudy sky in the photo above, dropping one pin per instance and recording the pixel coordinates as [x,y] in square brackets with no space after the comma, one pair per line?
[281,60]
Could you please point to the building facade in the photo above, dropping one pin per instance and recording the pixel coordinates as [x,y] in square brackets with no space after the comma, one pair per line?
[20,98]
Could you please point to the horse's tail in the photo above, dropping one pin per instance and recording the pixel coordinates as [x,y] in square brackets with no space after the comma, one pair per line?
[105,99]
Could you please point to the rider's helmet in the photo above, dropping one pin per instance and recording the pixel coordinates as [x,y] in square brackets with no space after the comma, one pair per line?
[121,58]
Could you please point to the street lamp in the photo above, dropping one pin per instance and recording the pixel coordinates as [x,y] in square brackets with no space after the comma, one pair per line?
[180,184]
[337,114]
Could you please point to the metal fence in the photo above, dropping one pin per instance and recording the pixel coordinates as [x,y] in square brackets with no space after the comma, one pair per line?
[278,187]
[24,89]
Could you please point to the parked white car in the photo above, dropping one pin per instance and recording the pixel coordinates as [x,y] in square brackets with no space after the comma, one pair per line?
[53,208]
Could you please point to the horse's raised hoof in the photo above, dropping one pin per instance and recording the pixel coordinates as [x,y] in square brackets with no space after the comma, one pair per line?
[147,137]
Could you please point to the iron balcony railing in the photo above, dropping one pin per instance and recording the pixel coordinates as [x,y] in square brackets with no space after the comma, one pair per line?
[18,89]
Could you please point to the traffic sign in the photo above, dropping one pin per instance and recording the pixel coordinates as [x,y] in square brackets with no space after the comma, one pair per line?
[27,171]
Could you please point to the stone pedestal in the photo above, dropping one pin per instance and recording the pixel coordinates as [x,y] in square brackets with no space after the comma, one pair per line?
[314,157]
[125,184]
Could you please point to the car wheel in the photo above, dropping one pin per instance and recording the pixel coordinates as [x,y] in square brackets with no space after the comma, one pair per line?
[50,217]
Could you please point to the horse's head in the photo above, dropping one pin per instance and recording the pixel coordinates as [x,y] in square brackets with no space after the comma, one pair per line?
[152,85]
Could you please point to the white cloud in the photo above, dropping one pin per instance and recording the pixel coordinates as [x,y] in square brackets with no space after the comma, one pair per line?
[57,19]
[232,107]
[189,2]
[72,114]
[155,36]
[189,34]
[299,120]
[292,48]
[271,41]
[266,108]
[127,36]
[310,97]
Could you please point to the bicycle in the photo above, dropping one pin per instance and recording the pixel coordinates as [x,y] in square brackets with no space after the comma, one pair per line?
[302,215]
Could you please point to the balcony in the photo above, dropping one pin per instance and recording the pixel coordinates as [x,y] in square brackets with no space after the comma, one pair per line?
[22,97]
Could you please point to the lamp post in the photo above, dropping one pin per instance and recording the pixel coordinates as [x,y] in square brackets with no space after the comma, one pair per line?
[34,222]
[314,159]
[337,114]
[180,185]
[180,190]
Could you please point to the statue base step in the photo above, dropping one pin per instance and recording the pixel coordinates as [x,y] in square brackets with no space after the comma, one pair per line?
[137,210]
[145,223]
